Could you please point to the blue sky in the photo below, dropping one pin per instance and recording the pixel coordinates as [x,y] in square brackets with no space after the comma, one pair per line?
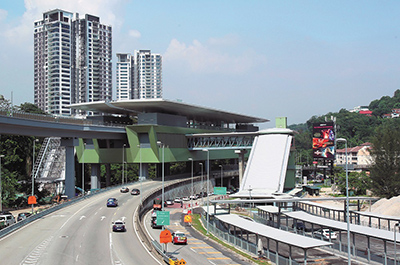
[262,58]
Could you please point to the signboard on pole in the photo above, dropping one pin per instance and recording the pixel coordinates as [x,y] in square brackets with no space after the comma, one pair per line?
[162,218]
[220,190]
[165,236]
[323,141]
[32,200]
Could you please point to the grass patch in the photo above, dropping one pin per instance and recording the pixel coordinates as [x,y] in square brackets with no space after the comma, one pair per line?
[196,224]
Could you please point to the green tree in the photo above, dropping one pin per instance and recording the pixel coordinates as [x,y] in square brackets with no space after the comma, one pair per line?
[385,171]
[359,182]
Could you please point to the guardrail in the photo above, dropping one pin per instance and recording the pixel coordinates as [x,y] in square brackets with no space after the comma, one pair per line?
[9,229]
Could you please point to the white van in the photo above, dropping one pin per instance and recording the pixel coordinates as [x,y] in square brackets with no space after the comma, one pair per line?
[8,219]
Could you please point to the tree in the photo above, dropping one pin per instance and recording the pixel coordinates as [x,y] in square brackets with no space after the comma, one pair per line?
[385,171]
[359,182]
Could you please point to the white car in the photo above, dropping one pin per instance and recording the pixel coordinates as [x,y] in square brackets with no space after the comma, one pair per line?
[7,219]
[185,198]
[178,200]
[169,202]
[325,234]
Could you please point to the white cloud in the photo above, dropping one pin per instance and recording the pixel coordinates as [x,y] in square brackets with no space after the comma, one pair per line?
[3,14]
[211,57]
[22,33]
[134,33]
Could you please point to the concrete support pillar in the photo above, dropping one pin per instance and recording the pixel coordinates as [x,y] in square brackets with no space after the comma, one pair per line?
[145,170]
[108,175]
[241,154]
[69,144]
[94,177]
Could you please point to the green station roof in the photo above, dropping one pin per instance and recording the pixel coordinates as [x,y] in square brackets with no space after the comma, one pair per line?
[192,112]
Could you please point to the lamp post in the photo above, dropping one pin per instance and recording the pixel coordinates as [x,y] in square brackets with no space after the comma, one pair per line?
[202,184]
[208,179]
[1,200]
[221,174]
[33,169]
[347,203]
[123,163]
[83,169]
[395,243]
[162,179]
[191,197]
[140,171]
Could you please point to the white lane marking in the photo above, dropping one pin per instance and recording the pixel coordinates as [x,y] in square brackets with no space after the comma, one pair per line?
[111,255]
[115,260]
[77,256]
[82,217]
[212,262]
[123,218]
[103,217]
[141,241]
[193,250]
[95,213]
[34,256]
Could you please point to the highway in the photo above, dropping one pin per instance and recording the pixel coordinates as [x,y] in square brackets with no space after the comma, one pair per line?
[80,234]
[199,250]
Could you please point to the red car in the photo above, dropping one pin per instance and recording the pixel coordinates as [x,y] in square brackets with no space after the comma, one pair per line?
[179,238]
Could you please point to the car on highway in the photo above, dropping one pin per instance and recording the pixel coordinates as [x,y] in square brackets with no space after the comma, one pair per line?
[135,192]
[186,198]
[325,234]
[124,190]
[112,202]
[118,226]
[179,238]
[169,202]
[178,200]
[23,216]
[7,219]
[154,224]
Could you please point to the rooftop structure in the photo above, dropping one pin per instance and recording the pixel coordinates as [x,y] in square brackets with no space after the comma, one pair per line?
[161,111]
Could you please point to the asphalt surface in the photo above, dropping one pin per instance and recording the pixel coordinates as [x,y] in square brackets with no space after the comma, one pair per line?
[199,250]
[80,234]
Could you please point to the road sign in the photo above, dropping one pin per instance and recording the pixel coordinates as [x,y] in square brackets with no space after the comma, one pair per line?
[162,218]
[187,219]
[32,200]
[220,190]
[165,236]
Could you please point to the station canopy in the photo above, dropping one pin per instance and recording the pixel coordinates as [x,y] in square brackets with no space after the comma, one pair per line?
[192,112]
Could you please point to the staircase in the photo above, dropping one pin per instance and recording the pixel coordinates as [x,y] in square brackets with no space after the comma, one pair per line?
[50,162]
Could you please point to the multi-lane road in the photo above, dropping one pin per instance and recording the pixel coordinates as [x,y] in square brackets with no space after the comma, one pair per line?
[80,234]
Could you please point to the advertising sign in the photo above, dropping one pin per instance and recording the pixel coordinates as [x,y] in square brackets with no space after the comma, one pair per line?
[323,141]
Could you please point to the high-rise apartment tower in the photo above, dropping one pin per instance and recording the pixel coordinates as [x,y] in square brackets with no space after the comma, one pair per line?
[139,76]
[72,61]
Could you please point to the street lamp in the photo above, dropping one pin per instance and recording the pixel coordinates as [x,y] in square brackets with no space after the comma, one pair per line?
[221,174]
[202,184]
[140,171]
[1,201]
[162,180]
[208,179]
[33,169]
[83,169]
[123,163]
[395,243]
[347,202]
[191,197]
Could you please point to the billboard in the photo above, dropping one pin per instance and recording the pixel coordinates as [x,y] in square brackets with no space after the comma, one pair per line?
[323,141]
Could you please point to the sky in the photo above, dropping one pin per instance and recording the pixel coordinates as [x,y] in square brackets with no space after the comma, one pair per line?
[267,59]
